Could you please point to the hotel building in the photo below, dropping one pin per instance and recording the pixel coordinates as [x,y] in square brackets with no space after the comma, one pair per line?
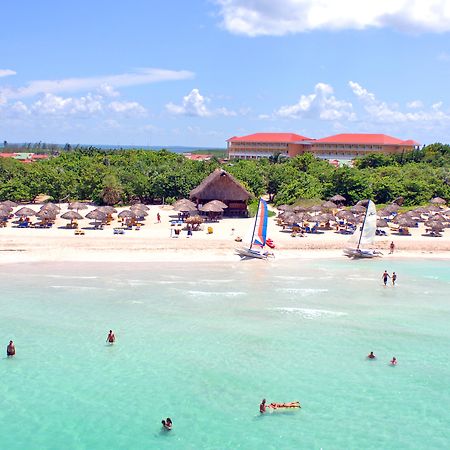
[340,147]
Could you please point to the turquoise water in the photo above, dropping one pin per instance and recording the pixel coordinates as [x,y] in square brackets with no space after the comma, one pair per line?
[203,343]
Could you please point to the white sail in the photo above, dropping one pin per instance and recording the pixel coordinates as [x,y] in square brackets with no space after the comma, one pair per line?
[366,235]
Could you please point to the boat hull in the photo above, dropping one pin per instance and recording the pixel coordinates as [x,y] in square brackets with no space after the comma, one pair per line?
[246,253]
[361,253]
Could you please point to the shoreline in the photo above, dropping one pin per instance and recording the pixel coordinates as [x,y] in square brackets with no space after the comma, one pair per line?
[154,242]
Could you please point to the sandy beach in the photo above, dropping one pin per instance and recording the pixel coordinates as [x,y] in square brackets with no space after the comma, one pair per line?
[155,242]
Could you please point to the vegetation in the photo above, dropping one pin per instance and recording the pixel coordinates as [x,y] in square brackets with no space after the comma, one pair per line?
[121,176]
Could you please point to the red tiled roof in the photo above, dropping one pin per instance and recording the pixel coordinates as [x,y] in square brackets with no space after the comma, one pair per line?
[269,137]
[39,156]
[362,138]
[7,155]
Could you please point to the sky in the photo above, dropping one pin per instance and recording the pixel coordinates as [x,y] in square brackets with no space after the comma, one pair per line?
[197,72]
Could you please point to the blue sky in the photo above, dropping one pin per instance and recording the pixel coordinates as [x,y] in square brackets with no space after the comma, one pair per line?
[197,72]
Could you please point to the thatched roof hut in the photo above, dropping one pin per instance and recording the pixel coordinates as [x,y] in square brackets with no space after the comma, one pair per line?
[220,185]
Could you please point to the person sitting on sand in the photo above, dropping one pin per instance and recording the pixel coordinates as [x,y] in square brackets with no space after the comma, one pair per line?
[167,424]
[262,406]
[385,277]
[371,355]
[393,361]
[111,337]
[10,349]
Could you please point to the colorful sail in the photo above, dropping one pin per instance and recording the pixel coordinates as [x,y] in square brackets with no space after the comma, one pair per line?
[260,230]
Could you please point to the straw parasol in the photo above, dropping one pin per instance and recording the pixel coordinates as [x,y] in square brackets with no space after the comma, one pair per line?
[284,208]
[433,208]
[25,212]
[358,209]
[183,202]
[9,203]
[329,205]
[194,221]
[438,201]
[139,212]
[344,215]
[211,208]
[127,213]
[96,214]
[72,215]
[434,224]
[140,207]
[51,207]
[217,203]
[325,217]
[46,214]
[4,212]
[8,209]
[316,208]
[405,221]
[185,207]
[298,209]
[77,205]
[338,198]
[107,209]
[382,223]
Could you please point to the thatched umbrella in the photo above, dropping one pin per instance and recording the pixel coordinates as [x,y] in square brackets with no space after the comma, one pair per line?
[107,209]
[211,208]
[393,207]
[217,203]
[433,208]
[194,221]
[345,215]
[383,213]
[315,208]
[284,208]
[185,207]
[51,207]
[77,205]
[127,214]
[357,209]
[434,224]
[405,221]
[421,210]
[325,217]
[5,212]
[9,203]
[46,214]
[382,223]
[71,215]
[140,213]
[290,217]
[8,209]
[140,207]
[184,202]
[438,201]
[329,205]
[298,209]
[97,215]
[338,198]
[25,212]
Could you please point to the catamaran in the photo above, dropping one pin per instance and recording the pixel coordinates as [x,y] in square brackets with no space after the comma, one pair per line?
[365,237]
[255,248]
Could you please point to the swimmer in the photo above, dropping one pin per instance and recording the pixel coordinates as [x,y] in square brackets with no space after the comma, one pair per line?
[10,349]
[371,355]
[394,278]
[262,406]
[385,277]
[167,424]
[393,361]
[111,337]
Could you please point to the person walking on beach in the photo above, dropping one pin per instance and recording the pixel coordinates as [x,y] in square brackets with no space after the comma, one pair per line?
[10,349]
[158,217]
[393,278]
[111,337]
[385,277]
[391,248]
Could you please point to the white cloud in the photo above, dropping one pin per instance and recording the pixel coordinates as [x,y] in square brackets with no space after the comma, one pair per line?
[321,104]
[280,17]
[415,104]
[127,107]
[107,90]
[381,112]
[194,104]
[6,72]
[52,104]
[140,77]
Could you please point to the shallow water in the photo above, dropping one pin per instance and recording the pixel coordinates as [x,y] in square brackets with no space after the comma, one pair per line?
[204,343]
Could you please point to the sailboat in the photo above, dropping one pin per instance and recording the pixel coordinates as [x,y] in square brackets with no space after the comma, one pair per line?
[255,248]
[365,237]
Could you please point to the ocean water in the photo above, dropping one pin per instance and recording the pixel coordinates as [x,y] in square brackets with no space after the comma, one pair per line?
[204,343]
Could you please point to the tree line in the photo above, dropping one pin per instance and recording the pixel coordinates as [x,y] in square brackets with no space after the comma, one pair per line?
[124,176]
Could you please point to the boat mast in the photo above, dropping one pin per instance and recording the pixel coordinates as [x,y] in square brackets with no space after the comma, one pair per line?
[362,229]
[254,226]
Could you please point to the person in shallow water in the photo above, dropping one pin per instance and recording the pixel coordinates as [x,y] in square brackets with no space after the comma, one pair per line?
[385,277]
[393,361]
[371,355]
[394,278]
[111,337]
[262,406]
[167,424]
[10,349]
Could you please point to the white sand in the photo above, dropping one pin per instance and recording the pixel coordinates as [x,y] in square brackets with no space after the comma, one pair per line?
[153,242]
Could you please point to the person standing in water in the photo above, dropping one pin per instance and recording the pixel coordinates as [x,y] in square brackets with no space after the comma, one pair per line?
[393,361]
[393,278]
[371,355]
[262,406]
[10,349]
[385,277]
[167,424]
[111,337]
